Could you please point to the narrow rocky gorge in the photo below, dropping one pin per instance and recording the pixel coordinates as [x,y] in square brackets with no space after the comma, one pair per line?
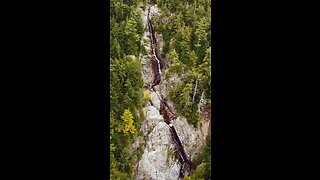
[165,110]
[171,142]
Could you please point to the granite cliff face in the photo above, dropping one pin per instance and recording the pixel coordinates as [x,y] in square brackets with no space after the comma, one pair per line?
[160,158]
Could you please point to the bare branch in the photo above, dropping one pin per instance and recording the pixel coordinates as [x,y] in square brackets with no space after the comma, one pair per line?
[195,91]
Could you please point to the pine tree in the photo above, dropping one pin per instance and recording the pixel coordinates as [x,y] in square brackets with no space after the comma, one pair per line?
[176,65]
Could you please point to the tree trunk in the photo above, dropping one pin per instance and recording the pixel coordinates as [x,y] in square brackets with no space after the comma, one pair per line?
[195,91]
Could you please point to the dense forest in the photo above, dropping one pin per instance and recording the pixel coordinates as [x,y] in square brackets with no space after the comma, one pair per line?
[125,85]
[186,30]
[187,36]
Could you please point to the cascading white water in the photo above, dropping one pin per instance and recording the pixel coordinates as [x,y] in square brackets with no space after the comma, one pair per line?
[154,54]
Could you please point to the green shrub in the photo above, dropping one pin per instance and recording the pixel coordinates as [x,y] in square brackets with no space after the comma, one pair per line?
[139,152]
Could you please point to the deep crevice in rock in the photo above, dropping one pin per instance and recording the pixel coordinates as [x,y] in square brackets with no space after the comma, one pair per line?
[168,115]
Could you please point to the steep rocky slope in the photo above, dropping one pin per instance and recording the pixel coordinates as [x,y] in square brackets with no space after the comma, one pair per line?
[160,159]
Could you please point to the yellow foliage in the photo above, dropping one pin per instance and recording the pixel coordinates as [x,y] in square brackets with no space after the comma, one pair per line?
[112,147]
[128,126]
[147,95]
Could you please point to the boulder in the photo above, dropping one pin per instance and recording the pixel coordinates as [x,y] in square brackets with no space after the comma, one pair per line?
[155,100]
